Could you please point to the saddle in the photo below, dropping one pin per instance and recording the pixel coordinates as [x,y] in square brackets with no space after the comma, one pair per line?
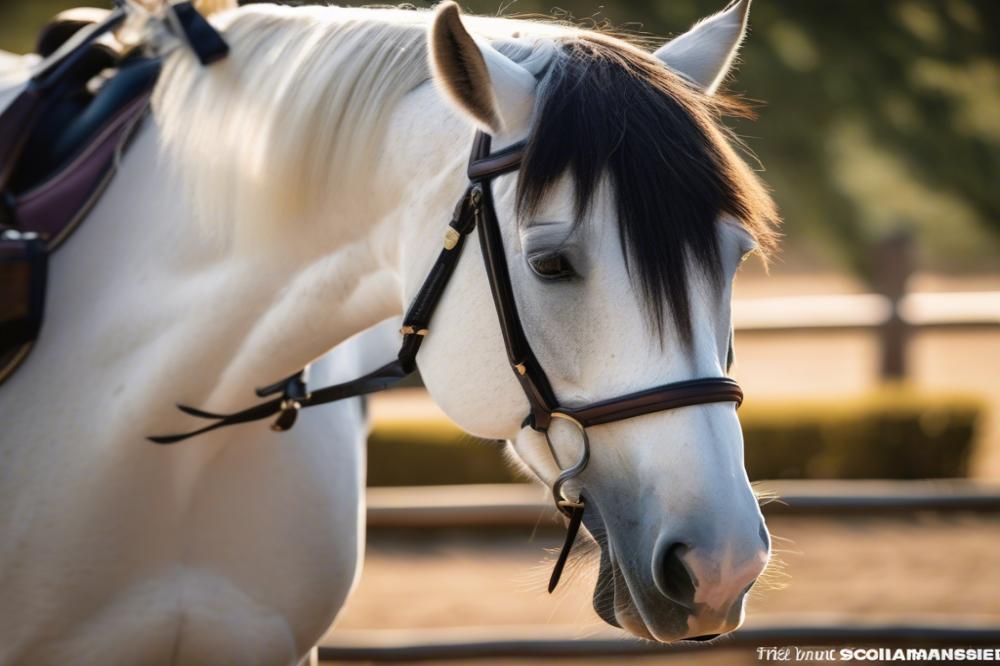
[61,140]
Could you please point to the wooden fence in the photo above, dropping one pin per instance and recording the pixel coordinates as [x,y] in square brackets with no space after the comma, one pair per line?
[892,313]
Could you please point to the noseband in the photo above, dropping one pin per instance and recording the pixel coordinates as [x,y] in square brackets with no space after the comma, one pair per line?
[476,210]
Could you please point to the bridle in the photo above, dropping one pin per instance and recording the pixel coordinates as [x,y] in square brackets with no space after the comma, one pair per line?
[476,210]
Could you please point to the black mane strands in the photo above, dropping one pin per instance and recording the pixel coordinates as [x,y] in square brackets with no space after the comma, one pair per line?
[609,109]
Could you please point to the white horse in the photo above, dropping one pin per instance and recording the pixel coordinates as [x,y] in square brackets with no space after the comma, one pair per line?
[283,200]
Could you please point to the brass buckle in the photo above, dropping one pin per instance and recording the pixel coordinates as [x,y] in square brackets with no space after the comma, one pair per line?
[287,415]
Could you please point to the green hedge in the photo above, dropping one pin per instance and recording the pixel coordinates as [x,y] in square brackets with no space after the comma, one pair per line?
[420,453]
[891,433]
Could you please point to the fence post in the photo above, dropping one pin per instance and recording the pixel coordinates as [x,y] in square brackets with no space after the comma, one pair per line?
[892,265]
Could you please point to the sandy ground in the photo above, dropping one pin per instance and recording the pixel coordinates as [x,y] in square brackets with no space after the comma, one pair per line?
[870,566]
[865,568]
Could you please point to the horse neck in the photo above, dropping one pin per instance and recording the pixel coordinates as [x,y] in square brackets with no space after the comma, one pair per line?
[314,288]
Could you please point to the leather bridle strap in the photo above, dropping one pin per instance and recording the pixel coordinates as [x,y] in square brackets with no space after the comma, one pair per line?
[662,398]
[295,395]
[542,401]
[287,407]
[483,167]
[476,209]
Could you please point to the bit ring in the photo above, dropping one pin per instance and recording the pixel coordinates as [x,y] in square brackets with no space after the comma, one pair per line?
[563,503]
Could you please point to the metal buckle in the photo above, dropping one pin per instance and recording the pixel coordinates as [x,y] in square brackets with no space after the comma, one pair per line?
[287,416]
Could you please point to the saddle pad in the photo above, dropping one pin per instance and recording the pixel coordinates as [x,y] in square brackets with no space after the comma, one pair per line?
[49,211]
[55,206]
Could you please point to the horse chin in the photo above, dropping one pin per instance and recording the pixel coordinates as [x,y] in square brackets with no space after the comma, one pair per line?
[604,590]
[615,603]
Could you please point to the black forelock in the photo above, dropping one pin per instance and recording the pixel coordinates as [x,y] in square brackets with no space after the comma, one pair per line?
[608,110]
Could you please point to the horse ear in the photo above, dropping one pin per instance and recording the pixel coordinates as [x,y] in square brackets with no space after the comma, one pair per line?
[705,53]
[490,88]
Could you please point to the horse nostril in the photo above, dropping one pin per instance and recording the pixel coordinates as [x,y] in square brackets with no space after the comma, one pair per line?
[675,581]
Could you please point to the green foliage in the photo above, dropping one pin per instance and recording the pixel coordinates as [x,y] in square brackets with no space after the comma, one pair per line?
[20,20]
[875,114]
[893,433]
[428,453]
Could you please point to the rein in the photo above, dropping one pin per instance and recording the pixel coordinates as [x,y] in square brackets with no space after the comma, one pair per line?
[476,209]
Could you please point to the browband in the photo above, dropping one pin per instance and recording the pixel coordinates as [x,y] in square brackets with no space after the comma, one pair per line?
[491,165]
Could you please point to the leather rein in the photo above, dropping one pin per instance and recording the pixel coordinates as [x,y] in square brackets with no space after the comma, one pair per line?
[476,210]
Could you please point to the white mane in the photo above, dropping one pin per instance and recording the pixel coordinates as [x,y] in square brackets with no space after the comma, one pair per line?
[289,124]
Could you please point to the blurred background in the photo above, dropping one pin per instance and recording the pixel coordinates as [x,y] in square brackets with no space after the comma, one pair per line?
[871,352]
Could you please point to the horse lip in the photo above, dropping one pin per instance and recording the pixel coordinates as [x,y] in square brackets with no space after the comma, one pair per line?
[604,591]
[612,597]
[603,598]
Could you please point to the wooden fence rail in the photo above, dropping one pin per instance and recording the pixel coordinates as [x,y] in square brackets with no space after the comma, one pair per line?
[497,505]
[528,505]
[893,313]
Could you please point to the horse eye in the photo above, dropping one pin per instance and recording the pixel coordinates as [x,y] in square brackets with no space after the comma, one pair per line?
[553,266]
